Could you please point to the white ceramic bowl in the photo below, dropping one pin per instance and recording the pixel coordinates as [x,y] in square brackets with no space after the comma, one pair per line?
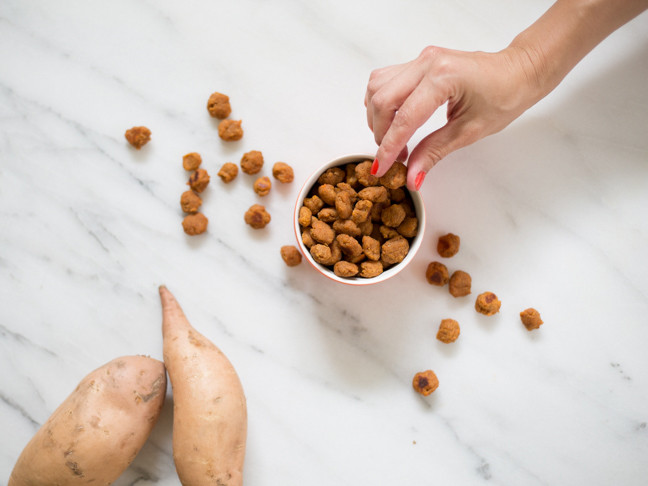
[387,274]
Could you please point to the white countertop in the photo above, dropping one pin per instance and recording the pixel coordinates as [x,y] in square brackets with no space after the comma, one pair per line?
[552,212]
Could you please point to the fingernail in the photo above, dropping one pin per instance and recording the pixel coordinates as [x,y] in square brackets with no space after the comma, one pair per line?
[374,167]
[419,180]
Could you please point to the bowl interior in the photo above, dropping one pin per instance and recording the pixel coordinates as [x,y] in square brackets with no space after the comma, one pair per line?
[415,244]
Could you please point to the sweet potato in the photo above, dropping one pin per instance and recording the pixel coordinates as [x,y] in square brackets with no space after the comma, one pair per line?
[209,409]
[98,430]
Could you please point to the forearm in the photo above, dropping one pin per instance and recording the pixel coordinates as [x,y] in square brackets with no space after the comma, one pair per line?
[565,34]
[484,91]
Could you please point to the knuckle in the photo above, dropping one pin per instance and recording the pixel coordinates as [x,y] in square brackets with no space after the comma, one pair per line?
[430,53]
[381,102]
[440,59]
[372,87]
[389,145]
[402,119]
[374,83]
[432,155]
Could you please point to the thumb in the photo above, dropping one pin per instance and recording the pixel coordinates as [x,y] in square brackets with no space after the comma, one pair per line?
[452,136]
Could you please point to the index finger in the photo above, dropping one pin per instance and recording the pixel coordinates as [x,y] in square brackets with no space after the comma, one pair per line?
[414,112]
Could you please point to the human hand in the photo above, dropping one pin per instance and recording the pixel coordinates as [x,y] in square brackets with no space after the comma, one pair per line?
[484,91]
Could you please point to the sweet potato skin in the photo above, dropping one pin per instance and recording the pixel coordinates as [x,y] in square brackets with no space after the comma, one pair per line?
[95,434]
[209,407]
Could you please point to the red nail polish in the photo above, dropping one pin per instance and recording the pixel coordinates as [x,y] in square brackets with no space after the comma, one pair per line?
[374,167]
[419,180]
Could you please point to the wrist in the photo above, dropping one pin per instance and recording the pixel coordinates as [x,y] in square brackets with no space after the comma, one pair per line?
[548,49]
[529,71]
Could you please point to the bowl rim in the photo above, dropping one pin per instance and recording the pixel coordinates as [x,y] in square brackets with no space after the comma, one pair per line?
[419,207]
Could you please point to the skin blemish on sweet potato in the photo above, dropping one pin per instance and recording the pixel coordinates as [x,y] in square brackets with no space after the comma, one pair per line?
[124,442]
[196,341]
[220,482]
[423,382]
[49,439]
[74,467]
[155,389]
[210,471]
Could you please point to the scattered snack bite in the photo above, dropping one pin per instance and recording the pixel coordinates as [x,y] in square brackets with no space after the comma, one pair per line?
[531,319]
[291,255]
[252,162]
[190,202]
[199,180]
[448,331]
[262,186]
[425,382]
[230,130]
[191,161]
[257,216]
[448,245]
[487,304]
[218,105]
[437,274]
[460,284]
[228,172]
[138,136]
[195,224]
[283,172]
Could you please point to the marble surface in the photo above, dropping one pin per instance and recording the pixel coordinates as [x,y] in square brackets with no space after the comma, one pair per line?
[553,213]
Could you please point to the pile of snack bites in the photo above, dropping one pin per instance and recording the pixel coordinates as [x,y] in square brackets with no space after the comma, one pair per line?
[357,224]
